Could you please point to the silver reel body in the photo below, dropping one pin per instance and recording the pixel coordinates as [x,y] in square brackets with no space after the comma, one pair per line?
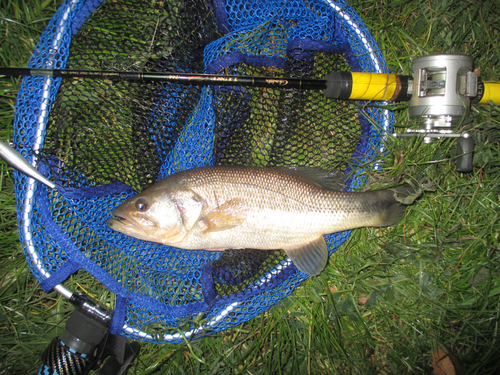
[443,86]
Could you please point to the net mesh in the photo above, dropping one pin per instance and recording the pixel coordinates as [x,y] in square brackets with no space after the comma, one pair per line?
[102,141]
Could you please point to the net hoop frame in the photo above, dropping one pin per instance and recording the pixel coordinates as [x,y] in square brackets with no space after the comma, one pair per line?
[67,21]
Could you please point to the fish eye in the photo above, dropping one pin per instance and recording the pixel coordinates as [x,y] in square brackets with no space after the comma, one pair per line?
[141,204]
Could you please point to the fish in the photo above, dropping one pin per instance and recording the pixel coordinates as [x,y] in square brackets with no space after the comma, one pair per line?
[239,207]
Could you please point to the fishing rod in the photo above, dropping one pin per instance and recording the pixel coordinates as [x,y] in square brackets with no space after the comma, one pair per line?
[440,92]
[337,85]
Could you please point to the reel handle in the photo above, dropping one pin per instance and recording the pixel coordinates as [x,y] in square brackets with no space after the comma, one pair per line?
[465,147]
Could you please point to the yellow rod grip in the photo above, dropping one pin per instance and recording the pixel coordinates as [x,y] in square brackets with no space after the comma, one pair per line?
[374,86]
[491,92]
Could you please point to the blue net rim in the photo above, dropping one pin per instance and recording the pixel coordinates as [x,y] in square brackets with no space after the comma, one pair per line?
[69,18]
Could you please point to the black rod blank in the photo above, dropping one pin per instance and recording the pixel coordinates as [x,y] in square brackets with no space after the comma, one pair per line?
[181,78]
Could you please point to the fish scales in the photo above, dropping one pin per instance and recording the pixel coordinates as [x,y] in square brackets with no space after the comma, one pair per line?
[230,207]
[279,205]
[303,209]
[277,191]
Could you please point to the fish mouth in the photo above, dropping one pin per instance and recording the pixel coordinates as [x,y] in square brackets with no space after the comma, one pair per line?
[121,222]
[130,225]
[116,222]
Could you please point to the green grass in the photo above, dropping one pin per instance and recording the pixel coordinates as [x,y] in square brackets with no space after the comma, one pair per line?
[433,280]
[27,315]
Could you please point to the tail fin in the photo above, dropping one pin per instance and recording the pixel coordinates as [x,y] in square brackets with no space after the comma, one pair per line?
[392,211]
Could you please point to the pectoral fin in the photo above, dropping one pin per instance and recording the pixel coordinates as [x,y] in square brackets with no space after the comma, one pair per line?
[228,215]
[310,258]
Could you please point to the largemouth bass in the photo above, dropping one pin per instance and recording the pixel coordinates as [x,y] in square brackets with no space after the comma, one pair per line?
[234,207]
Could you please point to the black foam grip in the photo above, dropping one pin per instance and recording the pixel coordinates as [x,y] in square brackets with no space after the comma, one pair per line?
[338,85]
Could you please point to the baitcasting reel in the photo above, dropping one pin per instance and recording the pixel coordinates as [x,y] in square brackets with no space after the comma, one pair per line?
[443,88]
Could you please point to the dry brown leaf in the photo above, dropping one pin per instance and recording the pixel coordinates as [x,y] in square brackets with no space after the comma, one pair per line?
[364,299]
[442,364]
